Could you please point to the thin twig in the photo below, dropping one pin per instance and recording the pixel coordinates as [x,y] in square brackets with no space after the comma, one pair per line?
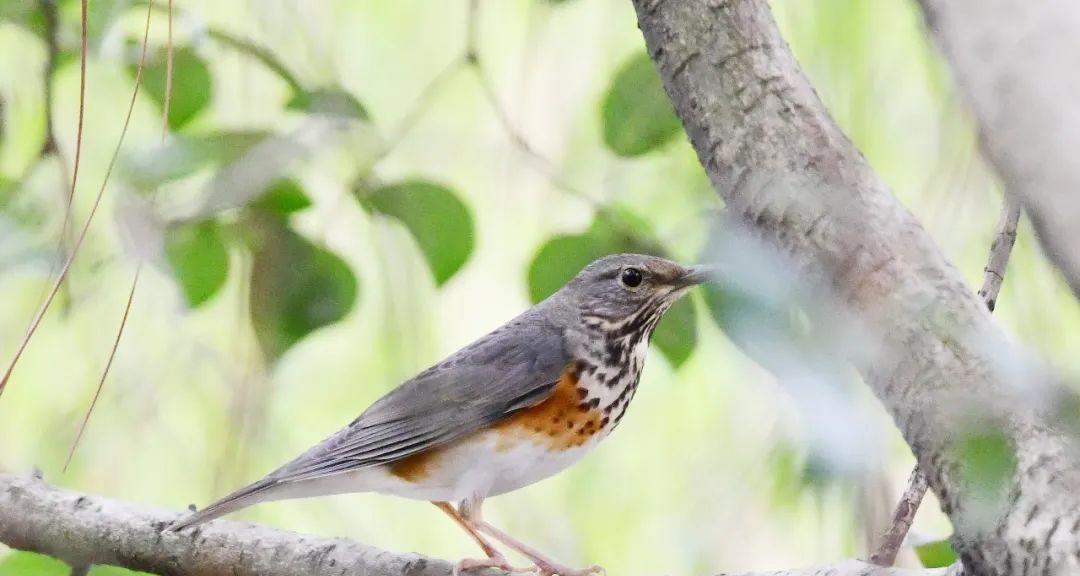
[994,275]
[1000,250]
[89,219]
[904,515]
[139,266]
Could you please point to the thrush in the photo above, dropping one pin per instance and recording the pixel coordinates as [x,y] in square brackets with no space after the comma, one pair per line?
[512,408]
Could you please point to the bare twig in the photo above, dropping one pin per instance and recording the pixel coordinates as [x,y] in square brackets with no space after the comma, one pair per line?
[1000,250]
[138,267]
[89,219]
[904,515]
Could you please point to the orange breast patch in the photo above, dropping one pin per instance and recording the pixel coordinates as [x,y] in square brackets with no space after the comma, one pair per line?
[565,420]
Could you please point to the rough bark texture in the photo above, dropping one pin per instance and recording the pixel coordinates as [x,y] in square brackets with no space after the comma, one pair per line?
[785,168]
[1017,62]
[82,529]
[854,568]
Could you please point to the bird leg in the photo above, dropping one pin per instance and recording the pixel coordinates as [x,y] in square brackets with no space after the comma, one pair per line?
[545,565]
[494,559]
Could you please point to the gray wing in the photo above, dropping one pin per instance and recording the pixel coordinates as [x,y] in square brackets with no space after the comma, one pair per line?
[515,367]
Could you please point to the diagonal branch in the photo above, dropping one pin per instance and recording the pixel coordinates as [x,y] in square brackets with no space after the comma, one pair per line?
[787,171]
[82,530]
[1016,62]
[994,275]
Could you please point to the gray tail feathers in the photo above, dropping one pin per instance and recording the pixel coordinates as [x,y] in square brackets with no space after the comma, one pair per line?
[242,498]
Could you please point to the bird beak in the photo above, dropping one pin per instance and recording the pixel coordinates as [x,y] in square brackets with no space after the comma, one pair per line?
[694,275]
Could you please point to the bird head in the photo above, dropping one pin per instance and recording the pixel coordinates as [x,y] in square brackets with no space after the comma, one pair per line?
[629,292]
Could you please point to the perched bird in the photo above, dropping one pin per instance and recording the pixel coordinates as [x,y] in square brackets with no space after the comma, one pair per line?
[508,410]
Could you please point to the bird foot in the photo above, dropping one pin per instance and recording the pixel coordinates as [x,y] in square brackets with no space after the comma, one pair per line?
[499,562]
[553,569]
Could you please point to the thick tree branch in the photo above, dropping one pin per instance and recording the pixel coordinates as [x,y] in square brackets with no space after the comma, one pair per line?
[82,530]
[993,276]
[1016,61]
[855,568]
[788,172]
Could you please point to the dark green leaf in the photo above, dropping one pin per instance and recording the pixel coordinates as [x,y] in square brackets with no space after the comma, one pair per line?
[185,155]
[191,88]
[284,197]
[199,259]
[937,554]
[562,257]
[114,571]
[439,221]
[329,102]
[636,113]
[558,260]
[30,564]
[296,286]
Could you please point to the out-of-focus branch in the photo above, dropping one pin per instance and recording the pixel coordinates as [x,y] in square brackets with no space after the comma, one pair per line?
[83,530]
[904,515]
[856,568]
[1016,62]
[787,172]
[994,275]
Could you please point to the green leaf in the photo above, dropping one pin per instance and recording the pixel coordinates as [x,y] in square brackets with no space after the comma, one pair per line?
[114,571]
[937,554]
[30,564]
[675,335]
[184,155]
[296,286]
[330,102]
[988,461]
[558,260]
[284,197]
[199,259]
[191,87]
[636,114]
[439,221]
[562,257]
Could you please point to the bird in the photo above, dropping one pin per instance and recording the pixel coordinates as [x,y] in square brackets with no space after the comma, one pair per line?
[514,407]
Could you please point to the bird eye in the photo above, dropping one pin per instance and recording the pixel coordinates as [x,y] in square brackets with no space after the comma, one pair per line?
[631,277]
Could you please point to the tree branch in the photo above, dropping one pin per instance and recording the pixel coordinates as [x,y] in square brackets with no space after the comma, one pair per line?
[788,172]
[856,568]
[993,276]
[1016,62]
[82,530]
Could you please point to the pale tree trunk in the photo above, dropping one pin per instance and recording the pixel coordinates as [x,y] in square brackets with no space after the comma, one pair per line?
[788,172]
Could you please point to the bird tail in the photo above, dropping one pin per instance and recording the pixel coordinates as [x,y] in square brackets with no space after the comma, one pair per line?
[242,498]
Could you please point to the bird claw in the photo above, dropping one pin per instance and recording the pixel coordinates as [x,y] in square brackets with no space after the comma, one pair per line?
[499,562]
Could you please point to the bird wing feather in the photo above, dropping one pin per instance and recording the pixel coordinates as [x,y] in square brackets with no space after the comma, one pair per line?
[510,369]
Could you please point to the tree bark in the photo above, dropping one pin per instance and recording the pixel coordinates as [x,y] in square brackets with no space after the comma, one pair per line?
[82,530]
[1017,63]
[854,568]
[788,172]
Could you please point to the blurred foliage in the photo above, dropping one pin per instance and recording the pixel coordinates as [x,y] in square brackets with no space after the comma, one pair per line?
[436,218]
[199,258]
[30,564]
[637,113]
[296,286]
[189,96]
[936,554]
